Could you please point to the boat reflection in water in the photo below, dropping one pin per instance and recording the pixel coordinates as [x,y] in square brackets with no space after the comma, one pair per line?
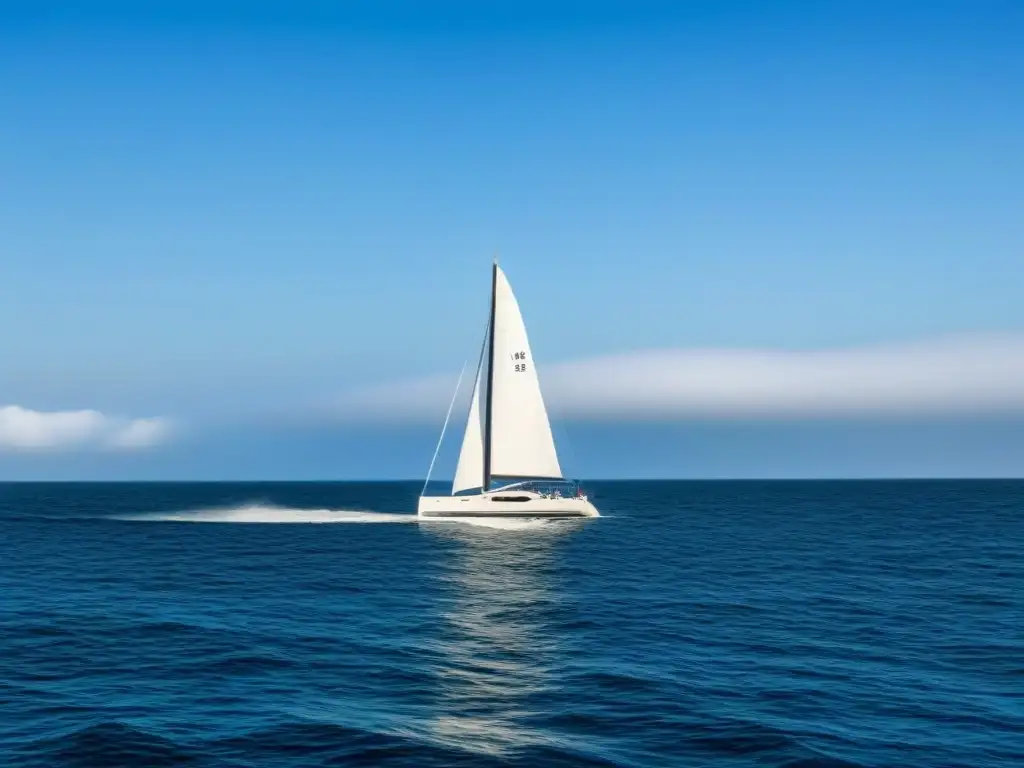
[500,645]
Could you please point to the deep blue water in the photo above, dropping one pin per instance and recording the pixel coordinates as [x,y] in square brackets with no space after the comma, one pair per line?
[697,624]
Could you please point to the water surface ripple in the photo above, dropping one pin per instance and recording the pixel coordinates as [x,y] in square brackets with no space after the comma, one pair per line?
[696,624]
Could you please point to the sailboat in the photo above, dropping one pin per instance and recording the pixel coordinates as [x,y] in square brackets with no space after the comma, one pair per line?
[508,464]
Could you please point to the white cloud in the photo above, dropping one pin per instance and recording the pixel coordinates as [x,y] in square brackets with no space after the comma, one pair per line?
[25,429]
[140,433]
[958,375]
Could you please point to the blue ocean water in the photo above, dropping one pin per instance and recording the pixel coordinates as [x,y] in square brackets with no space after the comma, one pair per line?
[789,624]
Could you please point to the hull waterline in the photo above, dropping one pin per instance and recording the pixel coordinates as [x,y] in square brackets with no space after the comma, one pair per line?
[503,506]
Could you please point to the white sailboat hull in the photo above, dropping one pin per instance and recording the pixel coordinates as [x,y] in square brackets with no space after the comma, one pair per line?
[505,504]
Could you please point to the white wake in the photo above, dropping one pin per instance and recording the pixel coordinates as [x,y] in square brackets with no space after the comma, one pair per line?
[263,513]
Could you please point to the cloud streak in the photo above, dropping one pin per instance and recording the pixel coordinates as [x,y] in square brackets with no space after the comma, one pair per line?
[951,376]
[24,429]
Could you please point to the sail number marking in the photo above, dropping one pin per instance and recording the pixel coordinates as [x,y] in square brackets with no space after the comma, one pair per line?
[520,366]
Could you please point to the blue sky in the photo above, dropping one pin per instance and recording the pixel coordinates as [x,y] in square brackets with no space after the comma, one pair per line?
[228,215]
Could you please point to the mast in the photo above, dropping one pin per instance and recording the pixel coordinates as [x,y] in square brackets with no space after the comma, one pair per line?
[490,380]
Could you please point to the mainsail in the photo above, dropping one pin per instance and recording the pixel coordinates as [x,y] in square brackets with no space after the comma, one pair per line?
[509,436]
[521,442]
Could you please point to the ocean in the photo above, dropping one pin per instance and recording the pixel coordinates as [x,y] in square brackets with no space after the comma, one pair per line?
[797,624]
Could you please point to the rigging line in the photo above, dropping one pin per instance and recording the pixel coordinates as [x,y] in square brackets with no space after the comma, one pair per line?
[443,428]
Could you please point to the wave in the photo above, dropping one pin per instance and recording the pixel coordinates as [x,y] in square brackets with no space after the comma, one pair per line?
[303,743]
[116,743]
[107,743]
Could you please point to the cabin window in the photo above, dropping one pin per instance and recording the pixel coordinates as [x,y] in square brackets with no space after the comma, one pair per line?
[510,498]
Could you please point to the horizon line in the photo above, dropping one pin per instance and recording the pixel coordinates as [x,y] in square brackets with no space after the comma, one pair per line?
[752,479]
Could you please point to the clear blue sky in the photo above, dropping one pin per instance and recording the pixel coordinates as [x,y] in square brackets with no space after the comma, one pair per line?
[223,212]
